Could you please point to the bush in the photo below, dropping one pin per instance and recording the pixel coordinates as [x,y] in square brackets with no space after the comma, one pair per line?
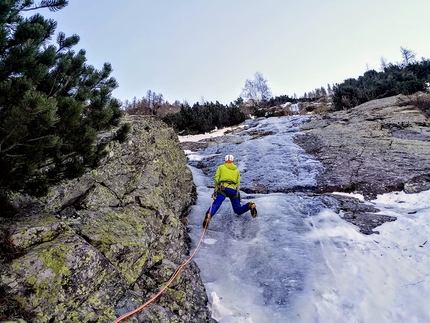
[421,102]
[393,80]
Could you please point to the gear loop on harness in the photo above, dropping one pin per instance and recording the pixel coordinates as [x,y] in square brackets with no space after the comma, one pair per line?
[226,184]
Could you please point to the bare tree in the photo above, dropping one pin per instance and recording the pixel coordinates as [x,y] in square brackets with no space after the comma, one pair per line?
[329,90]
[150,104]
[384,63]
[408,56]
[323,91]
[256,89]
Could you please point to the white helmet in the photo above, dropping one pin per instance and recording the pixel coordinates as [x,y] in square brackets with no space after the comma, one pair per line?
[229,158]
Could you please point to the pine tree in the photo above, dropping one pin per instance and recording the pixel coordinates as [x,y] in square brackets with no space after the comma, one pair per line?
[52,103]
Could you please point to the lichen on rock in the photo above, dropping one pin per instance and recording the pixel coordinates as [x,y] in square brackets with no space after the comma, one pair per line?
[103,243]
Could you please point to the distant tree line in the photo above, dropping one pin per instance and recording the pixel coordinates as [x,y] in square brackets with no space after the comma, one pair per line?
[256,98]
[406,77]
[318,93]
[151,104]
[201,118]
[198,118]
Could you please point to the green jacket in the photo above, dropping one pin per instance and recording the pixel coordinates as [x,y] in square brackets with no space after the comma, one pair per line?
[228,175]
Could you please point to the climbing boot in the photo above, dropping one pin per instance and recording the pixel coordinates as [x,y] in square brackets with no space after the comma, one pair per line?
[206,220]
[253,209]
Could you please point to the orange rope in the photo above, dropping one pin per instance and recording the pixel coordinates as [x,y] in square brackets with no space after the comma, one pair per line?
[170,280]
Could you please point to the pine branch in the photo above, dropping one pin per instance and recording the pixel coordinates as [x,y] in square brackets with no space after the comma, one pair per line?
[15,156]
[51,162]
[7,149]
[6,138]
[52,5]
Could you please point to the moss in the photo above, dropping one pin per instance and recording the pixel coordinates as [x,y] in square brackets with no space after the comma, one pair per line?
[91,316]
[32,279]
[38,229]
[48,284]
[121,243]
[55,258]
[179,296]
[157,258]
[174,221]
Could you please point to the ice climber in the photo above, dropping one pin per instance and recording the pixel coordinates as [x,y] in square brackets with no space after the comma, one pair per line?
[227,184]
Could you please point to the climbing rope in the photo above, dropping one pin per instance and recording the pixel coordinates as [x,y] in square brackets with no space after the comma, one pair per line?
[176,273]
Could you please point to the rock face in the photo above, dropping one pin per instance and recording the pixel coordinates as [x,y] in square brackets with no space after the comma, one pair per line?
[377,147]
[100,246]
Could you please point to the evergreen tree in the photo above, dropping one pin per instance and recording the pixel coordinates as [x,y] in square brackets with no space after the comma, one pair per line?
[201,118]
[52,104]
[393,80]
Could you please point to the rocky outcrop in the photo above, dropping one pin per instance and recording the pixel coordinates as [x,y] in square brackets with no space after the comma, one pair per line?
[353,210]
[377,147]
[100,246]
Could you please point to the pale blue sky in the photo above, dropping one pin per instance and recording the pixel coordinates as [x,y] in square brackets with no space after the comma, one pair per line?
[194,49]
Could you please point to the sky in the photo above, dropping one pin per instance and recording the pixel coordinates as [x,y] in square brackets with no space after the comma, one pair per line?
[299,261]
[202,50]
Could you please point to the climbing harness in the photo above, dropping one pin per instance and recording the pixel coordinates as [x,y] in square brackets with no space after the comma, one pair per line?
[225,184]
[175,274]
[220,188]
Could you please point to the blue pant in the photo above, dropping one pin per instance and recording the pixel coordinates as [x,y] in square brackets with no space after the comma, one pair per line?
[234,199]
